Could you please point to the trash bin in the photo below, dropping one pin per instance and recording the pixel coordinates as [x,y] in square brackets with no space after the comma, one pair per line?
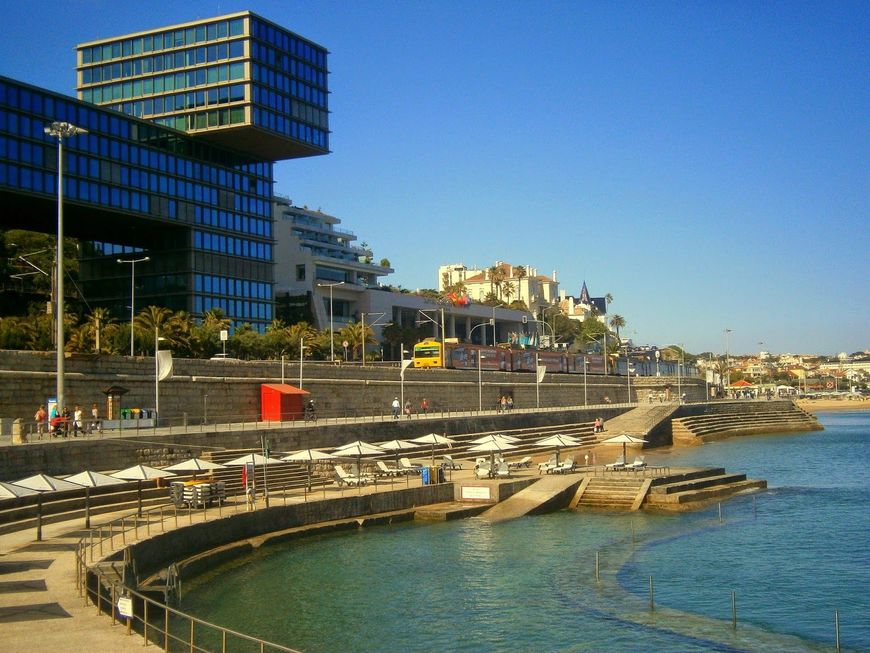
[424,475]
[125,413]
[440,474]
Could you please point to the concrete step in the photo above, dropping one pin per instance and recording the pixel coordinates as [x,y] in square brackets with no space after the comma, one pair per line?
[698,484]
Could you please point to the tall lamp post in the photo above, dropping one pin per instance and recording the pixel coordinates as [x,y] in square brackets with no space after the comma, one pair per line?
[363,321]
[157,340]
[60,130]
[331,332]
[402,366]
[133,263]
[494,337]
[479,382]
[727,380]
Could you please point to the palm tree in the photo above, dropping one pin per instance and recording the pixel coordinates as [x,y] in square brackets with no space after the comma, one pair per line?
[149,321]
[353,334]
[496,278]
[617,322]
[299,334]
[520,273]
[101,325]
[507,291]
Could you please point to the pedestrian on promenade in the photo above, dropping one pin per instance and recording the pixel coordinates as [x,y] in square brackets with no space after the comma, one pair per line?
[424,406]
[39,418]
[510,402]
[396,406]
[77,421]
[408,408]
[502,404]
[95,419]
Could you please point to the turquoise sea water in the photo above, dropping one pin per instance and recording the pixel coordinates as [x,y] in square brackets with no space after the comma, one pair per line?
[792,554]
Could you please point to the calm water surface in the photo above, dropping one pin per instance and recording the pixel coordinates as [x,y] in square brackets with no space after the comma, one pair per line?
[793,554]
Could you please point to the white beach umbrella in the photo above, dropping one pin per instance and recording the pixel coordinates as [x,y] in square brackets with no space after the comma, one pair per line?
[624,440]
[251,459]
[11,490]
[495,437]
[308,456]
[46,483]
[141,473]
[433,439]
[357,450]
[558,441]
[92,479]
[493,447]
[195,466]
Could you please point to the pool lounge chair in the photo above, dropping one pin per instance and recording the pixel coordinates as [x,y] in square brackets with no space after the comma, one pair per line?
[547,467]
[385,470]
[407,467]
[503,471]
[449,463]
[619,463]
[482,471]
[639,463]
[565,467]
[523,462]
[343,478]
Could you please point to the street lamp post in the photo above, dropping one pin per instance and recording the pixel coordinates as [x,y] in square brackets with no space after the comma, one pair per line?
[133,263]
[585,366]
[60,130]
[402,366]
[301,351]
[494,337]
[727,380]
[331,338]
[479,382]
[157,340]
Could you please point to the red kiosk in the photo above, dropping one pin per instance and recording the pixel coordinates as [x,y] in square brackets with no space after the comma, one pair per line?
[280,402]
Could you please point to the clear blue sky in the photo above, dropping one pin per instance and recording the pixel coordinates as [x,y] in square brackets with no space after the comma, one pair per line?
[708,164]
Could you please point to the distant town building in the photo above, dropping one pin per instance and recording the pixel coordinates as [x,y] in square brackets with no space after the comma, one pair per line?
[312,254]
[506,282]
[582,307]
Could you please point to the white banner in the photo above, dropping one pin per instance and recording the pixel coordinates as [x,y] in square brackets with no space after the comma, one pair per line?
[541,371]
[164,365]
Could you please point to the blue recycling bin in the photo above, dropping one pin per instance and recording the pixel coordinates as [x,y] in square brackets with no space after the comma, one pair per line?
[424,475]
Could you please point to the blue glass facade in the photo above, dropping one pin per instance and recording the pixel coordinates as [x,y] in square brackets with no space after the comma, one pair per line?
[237,80]
[198,210]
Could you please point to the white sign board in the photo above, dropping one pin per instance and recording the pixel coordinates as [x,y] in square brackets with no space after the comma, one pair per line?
[225,335]
[476,493]
[125,606]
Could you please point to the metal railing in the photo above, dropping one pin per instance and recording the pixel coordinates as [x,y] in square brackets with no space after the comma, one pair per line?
[155,621]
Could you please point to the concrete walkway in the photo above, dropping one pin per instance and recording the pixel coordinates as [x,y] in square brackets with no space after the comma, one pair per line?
[40,609]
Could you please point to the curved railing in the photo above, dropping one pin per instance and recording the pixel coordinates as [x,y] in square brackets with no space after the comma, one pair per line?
[101,584]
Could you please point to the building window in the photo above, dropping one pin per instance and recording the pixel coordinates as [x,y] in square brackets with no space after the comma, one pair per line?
[300,273]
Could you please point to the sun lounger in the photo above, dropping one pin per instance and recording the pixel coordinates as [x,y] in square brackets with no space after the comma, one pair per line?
[639,463]
[449,463]
[482,471]
[503,471]
[524,462]
[619,463]
[547,467]
[343,478]
[386,470]
[407,467]
[565,467]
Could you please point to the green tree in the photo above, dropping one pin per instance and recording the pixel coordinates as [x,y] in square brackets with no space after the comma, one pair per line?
[617,322]
[205,339]
[245,343]
[354,335]
[147,324]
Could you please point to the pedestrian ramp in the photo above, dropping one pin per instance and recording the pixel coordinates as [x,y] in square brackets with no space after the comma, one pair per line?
[551,492]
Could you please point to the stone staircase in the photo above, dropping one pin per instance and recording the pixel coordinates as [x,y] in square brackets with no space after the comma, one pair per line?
[735,419]
[638,422]
[611,492]
[691,488]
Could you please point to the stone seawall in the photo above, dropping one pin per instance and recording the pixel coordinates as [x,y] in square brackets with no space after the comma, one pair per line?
[206,390]
[69,456]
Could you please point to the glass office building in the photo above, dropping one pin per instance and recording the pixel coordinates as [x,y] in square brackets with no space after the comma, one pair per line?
[202,213]
[236,80]
[177,165]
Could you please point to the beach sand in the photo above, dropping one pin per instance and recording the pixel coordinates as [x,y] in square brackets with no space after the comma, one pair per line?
[821,405]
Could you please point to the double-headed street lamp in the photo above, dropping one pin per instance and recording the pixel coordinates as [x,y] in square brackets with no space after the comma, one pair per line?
[60,130]
[331,331]
[133,263]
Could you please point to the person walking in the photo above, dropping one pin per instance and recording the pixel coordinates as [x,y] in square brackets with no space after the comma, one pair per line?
[78,424]
[95,419]
[424,406]
[39,418]
[396,406]
[408,408]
